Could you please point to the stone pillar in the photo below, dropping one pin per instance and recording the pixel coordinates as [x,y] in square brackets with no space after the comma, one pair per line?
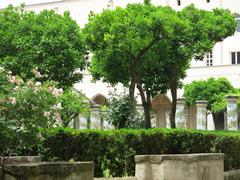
[201,119]
[76,122]
[232,113]
[180,113]
[160,118]
[95,117]
[180,167]
[89,121]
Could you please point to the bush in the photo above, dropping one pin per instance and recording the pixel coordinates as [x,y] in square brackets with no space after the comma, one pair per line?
[119,112]
[113,151]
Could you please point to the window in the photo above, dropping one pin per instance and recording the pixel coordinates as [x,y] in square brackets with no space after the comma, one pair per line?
[179,2]
[209,59]
[235,57]
[238,24]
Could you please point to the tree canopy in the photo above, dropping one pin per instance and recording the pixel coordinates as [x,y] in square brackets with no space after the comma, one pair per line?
[51,42]
[150,47]
[206,28]
[211,90]
[122,41]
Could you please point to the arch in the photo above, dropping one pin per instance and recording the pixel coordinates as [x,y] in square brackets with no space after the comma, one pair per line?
[237,15]
[162,106]
[100,99]
[161,101]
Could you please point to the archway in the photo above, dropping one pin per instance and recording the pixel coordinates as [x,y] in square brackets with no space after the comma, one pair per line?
[99,99]
[162,106]
[97,115]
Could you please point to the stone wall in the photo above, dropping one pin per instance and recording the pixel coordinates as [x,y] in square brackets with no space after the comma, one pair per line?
[17,168]
[180,167]
[232,175]
[117,178]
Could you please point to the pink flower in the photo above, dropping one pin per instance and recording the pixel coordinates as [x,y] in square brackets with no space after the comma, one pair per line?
[11,78]
[37,73]
[46,114]
[38,84]
[1,69]
[57,107]
[12,100]
[30,83]
[57,92]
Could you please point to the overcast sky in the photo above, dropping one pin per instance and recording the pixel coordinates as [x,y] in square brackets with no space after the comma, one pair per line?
[4,3]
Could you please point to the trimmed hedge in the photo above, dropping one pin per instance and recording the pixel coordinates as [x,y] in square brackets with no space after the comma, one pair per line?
[113,151]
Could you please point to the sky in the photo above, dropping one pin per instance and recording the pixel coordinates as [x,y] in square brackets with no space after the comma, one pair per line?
[4,3]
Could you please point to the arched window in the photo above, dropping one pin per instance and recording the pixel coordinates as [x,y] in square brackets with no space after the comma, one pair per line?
[99,99]
[179,2]
[238,21]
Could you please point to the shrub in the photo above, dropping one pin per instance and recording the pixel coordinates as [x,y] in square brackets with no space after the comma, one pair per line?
[113,151]
[119,112]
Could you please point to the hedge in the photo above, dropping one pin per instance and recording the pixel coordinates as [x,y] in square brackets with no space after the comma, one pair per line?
[113,150]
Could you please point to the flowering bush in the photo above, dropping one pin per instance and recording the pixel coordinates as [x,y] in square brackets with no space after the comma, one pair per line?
[25,107]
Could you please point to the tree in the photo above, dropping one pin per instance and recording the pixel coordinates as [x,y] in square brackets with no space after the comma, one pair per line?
[213,91]
[48,41]
[122,41]
[73,104]
[151,47]
[207,28]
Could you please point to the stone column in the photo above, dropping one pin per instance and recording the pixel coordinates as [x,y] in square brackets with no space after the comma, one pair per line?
[89,121]
[181,167]
[201,119]
[160,118]
[76,122]
[180,113]
[95,117]
[232,113]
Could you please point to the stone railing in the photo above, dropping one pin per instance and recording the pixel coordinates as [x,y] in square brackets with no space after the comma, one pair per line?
[148,167]
[200,116]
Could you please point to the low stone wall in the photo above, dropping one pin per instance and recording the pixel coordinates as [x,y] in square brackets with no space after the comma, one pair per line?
[180,167]
[118,178]
[232,175]
[22,159]
[29,168]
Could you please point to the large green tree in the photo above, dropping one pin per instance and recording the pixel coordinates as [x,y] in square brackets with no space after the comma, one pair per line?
[48,41]
[207,28]
[150,48]
[125,42]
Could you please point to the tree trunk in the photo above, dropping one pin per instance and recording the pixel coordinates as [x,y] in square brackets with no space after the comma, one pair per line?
[173,108]
[133,80]
[218,119]
[147,111]
[146,103]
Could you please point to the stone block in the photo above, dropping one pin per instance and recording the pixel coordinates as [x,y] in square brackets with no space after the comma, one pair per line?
[180,167]
[50,171]
[22,159]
